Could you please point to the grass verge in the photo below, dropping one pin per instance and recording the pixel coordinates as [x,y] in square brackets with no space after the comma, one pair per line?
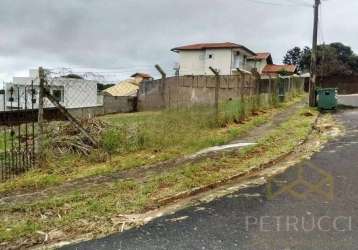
[95,210]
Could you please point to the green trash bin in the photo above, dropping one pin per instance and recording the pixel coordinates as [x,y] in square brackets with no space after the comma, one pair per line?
[327,98]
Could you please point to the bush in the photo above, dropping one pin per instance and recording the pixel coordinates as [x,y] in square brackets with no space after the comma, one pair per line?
[111,141]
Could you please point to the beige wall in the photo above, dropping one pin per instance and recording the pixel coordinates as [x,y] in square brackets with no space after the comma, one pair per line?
[193,90]
[192,62]
[259,65]
[185,91]
[197,62]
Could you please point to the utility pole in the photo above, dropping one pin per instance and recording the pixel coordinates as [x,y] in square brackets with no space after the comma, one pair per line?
[312,86]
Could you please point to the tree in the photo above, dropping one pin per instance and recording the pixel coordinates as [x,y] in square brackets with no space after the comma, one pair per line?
[332,59]
[305,61]
[293,56]
[343,52]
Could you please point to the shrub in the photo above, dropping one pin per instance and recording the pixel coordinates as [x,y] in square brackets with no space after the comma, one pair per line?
[111,141]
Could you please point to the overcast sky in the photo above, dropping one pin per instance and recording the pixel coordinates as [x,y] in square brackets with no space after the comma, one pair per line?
[132,35]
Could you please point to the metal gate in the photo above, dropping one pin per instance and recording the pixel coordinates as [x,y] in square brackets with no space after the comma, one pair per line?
[18,118]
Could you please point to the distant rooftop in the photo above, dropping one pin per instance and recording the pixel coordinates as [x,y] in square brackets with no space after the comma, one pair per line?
[143,75]
[203,46]
[262,56]
[275,69]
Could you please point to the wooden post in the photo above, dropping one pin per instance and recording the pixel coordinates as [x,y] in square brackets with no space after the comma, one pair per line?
[69,117]
[270,91]
[257,88]
[162,87]
[40,117]
[217,88]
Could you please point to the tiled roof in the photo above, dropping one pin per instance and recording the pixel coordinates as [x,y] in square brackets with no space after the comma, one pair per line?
[124,88]
[274,69]
[202,46]
[144,75]
[260,56]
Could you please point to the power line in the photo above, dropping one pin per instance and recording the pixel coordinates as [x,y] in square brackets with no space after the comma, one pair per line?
[280,3]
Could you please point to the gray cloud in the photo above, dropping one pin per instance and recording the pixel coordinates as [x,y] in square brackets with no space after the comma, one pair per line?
[130,35]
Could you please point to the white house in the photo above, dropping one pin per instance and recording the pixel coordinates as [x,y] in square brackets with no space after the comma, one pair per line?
[226,57]
[70,92]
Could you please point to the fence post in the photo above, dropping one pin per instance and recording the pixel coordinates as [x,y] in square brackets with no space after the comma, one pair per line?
[72,119]
[162,87]
[217,88]
[270,92]
[41,115]
[257,88]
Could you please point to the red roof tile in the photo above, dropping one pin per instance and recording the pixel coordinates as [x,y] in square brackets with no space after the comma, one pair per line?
[275,69]
[260,56]
[202,46]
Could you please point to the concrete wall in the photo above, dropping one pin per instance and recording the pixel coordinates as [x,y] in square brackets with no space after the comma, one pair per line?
[348,100]
[193,90]
[185,91]
[119,104]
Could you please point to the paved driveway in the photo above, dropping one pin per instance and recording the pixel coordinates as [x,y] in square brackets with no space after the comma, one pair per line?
[317,210]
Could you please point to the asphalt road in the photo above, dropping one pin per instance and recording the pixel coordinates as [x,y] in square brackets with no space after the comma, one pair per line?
[318,210]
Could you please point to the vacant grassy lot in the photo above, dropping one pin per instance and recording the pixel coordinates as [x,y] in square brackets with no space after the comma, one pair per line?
[137,139]
[93,211]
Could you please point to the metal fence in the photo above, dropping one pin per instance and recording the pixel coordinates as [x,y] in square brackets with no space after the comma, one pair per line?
[18,129]
[26,112]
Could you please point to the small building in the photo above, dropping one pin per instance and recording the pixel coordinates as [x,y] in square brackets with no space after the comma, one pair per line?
[70,92]
[195,59]
[122,97]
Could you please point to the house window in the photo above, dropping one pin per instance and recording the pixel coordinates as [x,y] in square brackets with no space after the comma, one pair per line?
[237,53]
[211,56]
[58,94]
